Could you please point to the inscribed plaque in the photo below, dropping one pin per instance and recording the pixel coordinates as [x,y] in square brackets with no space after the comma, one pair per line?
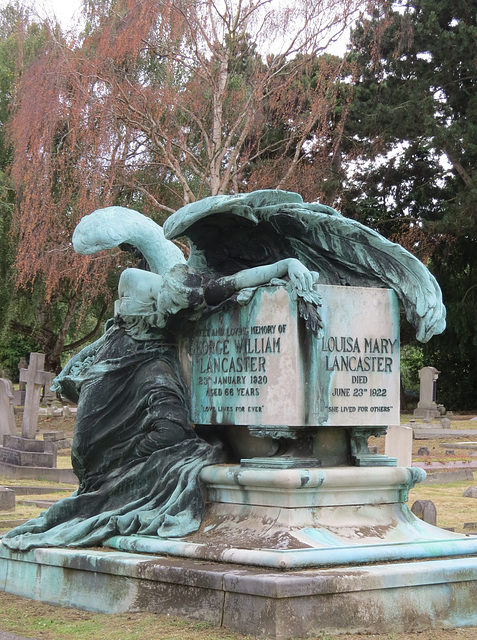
[259,365]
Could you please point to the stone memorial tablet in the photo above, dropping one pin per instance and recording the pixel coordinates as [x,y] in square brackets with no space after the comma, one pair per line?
[259,365]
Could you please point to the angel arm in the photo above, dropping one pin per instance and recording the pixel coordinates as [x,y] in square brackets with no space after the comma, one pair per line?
[222,288]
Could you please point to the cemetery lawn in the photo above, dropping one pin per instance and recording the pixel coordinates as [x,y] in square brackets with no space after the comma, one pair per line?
[453,511]
[41,621]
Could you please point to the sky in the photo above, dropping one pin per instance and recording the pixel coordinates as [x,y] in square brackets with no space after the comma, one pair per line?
[66,11]
[63,9]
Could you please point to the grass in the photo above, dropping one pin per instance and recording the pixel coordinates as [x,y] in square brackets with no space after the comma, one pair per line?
[453,510]
[39,620]
[24,511]
[64,461]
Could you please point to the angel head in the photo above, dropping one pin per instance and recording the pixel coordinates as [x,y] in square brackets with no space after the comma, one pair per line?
[153,297]
[181,289]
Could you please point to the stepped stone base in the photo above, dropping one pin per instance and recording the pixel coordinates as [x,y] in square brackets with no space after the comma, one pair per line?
[28,452]
[281,554]
[263,603]
[15,472]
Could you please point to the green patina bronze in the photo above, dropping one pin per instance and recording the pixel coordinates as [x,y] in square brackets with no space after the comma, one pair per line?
[135,453]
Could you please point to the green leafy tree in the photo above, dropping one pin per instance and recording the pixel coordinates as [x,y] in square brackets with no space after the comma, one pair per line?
[411,143]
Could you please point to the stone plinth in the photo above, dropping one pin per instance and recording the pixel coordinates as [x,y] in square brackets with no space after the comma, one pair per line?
[304,518]
[7,499]
[27,452]
[269,604]
[296,553]
[14,472]
[59,438]
[54,436]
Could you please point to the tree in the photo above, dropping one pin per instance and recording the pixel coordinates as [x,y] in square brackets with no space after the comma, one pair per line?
[192,90]
[12,23]
[412,137]
[155,105]
[28,308]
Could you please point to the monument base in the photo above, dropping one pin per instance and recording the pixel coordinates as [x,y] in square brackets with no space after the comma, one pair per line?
[15,472]
[263,603]
[307,518]
[281,554]
[427,414]
[28,452]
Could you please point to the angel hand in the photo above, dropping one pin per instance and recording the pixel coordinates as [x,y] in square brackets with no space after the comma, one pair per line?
[302,278]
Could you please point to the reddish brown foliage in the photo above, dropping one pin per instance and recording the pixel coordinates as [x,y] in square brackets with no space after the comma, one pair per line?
[165,102]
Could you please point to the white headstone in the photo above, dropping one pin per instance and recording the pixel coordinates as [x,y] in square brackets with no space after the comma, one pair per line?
[7,419]
[398,444]
[35,378]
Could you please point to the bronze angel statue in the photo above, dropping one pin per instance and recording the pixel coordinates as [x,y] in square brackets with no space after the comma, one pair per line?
[136,455]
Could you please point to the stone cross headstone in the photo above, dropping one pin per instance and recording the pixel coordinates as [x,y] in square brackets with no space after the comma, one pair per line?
[427,406]
[7,419]
[35,378]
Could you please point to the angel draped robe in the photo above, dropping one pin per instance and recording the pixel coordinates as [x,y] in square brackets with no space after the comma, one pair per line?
[136,456]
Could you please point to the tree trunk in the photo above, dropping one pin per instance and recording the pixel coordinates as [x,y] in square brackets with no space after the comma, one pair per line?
[53,358]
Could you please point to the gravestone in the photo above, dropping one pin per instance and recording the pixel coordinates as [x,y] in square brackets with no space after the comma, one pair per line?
[427,407]
[7,418]
[309,400]
[425,510]
[398,444]
[7,499]
[19,395]
[35,379]
[315,400]
[59,438]
[48,396]
[26,451]
[470,492]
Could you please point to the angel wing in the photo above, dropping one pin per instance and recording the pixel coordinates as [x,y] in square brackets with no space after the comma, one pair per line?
[231,233]
[115,226]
